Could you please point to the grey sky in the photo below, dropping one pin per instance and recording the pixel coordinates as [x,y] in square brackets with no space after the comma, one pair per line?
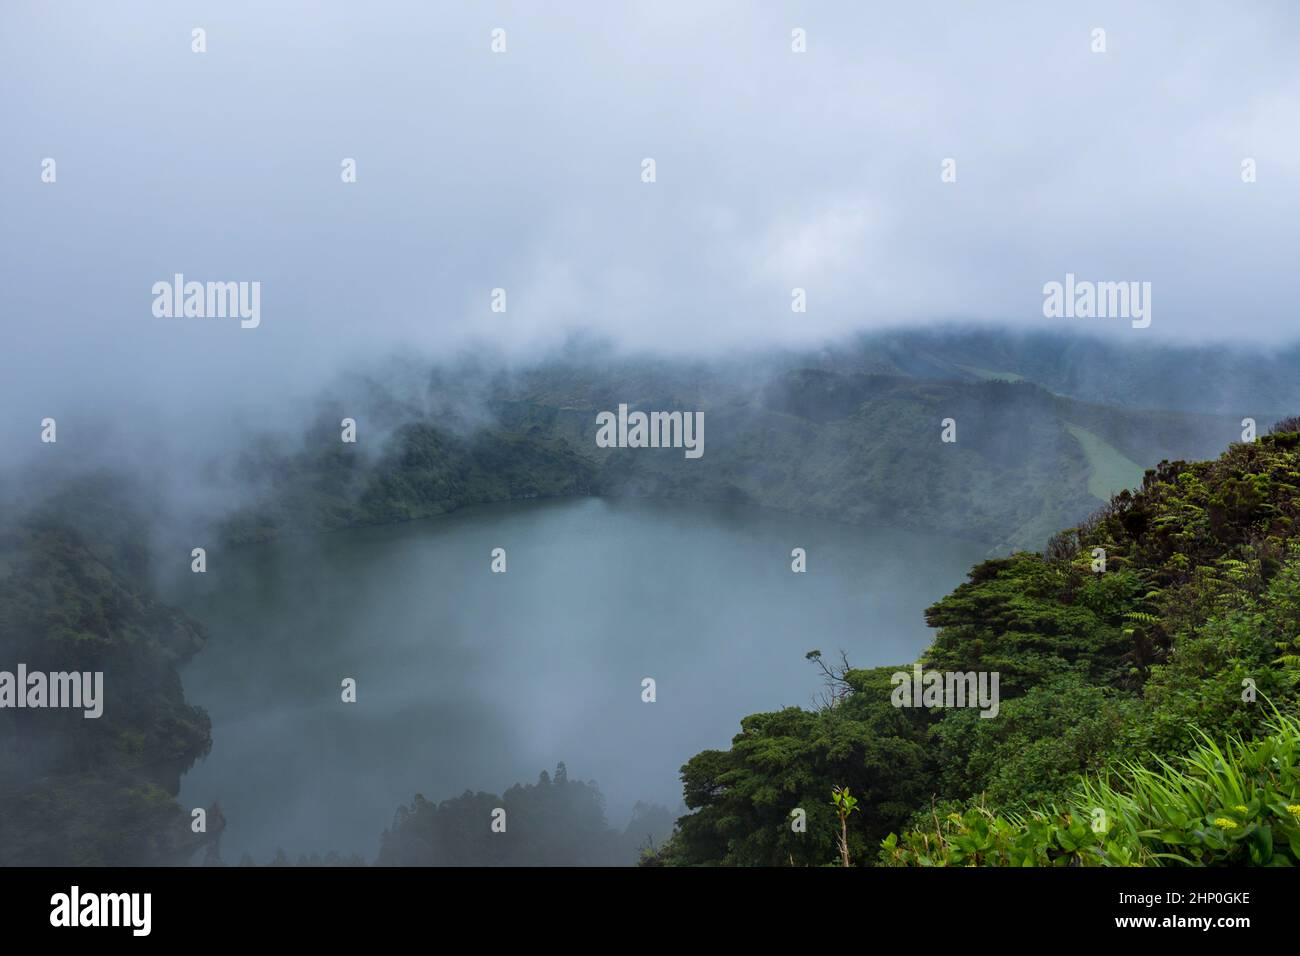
[522,171]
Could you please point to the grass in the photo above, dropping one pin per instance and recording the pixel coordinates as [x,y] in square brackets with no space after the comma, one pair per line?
[988,376]
[1109,470]
[1235,804]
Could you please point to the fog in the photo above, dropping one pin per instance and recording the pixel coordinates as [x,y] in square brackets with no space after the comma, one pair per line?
[130,159]
[522,171]
[469,680]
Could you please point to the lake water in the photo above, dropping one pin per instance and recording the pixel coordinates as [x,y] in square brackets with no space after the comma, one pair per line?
[468,679]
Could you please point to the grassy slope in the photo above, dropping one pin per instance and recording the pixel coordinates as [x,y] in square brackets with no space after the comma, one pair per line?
[990,376]
[1109,471]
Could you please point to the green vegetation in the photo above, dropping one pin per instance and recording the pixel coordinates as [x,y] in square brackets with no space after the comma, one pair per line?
[845,805]
[1109,679]
[1104,675]
[425,471]
[989,376]
[554,822]
[93,792]
[833,442]
[1239,804]
[1109,471]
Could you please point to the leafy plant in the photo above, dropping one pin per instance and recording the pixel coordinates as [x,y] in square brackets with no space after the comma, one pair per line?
[1235,804]
[845,804]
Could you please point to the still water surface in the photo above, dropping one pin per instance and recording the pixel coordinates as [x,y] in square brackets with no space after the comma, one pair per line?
[472,680]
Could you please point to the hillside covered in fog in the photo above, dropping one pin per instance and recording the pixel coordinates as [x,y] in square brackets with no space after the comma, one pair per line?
[853,433]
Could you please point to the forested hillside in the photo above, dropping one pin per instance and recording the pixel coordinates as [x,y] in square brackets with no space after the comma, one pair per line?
[815,435]
[93,791]
[1186,637]
[1200,591]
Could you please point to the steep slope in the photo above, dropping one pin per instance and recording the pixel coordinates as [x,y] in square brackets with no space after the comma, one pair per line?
[805,440]
[1188,627]
[93,791]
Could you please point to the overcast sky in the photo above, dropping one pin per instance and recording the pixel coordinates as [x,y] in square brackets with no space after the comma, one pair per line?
[522,170]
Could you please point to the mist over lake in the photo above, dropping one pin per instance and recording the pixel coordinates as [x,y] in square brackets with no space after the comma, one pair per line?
[468,679]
